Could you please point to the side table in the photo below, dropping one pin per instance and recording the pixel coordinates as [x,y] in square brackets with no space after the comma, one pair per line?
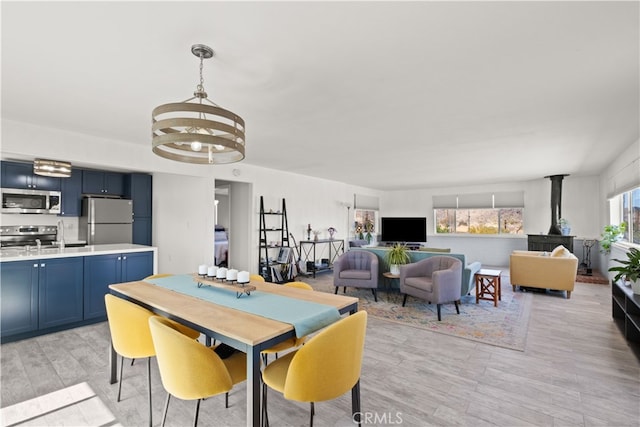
[388,277]
[488,286]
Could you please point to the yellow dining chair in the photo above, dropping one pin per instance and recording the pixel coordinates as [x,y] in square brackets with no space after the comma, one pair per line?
[189,370]
[130,335]
[256,278]
[292,342]
[326,367]
[158,276]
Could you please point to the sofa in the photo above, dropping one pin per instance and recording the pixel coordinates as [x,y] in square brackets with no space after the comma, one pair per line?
[556,270]
[468,270]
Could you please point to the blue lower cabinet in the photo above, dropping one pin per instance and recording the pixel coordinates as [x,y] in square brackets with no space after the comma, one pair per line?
[60,291]
[18,297]
[100,271]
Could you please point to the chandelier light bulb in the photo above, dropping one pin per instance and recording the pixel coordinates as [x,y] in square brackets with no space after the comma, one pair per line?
[196,146]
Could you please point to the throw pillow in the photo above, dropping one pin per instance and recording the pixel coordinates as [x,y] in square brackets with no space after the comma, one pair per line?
[560,252]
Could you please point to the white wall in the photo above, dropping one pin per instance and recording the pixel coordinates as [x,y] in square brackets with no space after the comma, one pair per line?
[183,198]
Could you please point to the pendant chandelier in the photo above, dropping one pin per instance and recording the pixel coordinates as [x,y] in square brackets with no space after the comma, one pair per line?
[197,130]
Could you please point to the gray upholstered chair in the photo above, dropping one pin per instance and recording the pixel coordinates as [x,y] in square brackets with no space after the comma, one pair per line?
[358,269]
[436,279]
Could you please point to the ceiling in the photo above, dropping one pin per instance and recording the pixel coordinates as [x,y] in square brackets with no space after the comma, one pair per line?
[387,95]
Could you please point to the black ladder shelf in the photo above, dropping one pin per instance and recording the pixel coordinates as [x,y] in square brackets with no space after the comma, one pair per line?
[273,271]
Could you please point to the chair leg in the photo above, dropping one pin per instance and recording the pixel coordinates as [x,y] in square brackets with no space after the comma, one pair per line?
[404,300]
[439,318]
[195,419]
[132,360]
[344,290]
[120,380]
[226,400]
[265,416]
[166,408]
[336,291]
[375,295]
[149,384]
[312,414]
[457,307]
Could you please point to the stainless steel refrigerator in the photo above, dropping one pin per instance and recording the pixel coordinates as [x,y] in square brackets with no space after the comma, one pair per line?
[106,221]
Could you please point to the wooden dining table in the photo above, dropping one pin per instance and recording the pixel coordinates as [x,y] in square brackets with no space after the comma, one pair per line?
[244,331]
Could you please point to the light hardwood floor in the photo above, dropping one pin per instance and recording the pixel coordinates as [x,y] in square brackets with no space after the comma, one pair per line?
[576,370]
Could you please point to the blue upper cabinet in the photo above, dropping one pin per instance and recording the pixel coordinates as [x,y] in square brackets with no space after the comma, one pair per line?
[137,187]
[100,182]
[20,175]
[71,189]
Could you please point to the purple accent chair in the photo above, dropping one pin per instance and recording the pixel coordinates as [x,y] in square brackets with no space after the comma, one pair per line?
[437,279]
[358,269]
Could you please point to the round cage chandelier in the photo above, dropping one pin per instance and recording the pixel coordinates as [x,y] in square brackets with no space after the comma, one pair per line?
[197,130]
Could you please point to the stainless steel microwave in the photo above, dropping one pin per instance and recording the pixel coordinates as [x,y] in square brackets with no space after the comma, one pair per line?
[16,200]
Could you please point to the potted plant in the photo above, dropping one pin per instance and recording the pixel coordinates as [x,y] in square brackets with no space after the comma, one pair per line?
[611,234]
[397,256]
[629,269]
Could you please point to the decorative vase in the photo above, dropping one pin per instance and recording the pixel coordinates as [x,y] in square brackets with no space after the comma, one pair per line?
[566,231]
[635,286]
[394,269]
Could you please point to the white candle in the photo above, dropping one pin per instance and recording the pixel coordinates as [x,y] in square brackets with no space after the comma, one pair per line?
[211,271]
[221,273]
[232,274]
[243,277]
[202,269]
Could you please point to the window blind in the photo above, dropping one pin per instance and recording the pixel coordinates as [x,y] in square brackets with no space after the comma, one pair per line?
[505,199]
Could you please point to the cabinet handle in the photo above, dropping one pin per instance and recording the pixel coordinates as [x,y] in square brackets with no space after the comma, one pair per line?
[42,265]
[124,257]
[35,265]
[119,258]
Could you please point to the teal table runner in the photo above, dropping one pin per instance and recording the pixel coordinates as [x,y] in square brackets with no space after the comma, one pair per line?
[306,317]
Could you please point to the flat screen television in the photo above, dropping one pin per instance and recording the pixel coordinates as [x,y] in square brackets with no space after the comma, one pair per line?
[404,229]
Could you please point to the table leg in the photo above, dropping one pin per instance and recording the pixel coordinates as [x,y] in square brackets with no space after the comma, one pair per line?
[253,387]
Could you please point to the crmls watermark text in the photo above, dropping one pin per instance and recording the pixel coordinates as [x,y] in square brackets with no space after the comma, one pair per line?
[378,418]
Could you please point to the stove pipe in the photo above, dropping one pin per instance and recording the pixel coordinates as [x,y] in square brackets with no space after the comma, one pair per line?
[556,203]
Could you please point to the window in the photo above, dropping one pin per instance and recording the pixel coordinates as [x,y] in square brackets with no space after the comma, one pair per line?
[479,221]
[483,213]
[629,203]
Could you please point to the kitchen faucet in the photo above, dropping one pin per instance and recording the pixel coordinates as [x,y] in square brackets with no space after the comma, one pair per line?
[61,234]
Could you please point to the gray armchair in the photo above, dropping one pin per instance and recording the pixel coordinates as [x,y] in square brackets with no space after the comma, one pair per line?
[358,269]
[436,279]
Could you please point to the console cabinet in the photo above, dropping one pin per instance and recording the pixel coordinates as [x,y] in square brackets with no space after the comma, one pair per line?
[625,307]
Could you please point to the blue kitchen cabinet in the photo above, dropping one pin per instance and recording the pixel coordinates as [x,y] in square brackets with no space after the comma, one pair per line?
[20,175]
[100,271]
[71,189]
[141,231]
[101,182]
[18,297]
[138,188]
[60,291]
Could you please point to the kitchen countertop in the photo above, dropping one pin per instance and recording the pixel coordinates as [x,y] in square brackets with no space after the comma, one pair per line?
[12,254]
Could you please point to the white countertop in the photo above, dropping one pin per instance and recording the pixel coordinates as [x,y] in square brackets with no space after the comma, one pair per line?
[8,254]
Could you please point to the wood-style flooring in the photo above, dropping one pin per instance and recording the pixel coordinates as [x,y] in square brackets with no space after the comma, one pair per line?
[577,370]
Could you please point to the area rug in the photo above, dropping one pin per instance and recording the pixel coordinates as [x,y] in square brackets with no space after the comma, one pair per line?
[503,326]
